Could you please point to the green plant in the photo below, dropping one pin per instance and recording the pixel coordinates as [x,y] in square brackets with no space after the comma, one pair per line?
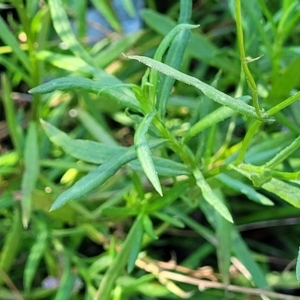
[183,139]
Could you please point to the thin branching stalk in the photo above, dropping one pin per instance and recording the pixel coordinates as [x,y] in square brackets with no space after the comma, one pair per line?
[245,60]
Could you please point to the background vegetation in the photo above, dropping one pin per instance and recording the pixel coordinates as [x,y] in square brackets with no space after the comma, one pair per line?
[124,178]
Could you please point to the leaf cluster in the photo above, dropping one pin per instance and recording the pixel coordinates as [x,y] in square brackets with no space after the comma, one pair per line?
[186,144]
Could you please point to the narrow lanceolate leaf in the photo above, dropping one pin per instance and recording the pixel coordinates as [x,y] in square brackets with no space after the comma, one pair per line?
[98,153]
[288,192]
[99,175]
[85,150]
[15,129]
[223,234]
[35,255]
[135,247]
[298,267]
[8,38]
[94,178]
[116,268]
[144,153]
[63,28]
[210,197]
[218,115]
[10,244]
[31,172]
[67,282]
[283,154]
[245,189]
[207,90]
[162,48]
[242,252]
[174,57]
[108,89]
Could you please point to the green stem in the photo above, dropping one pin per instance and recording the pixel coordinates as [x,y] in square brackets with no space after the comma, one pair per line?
[246,142]
[245,60]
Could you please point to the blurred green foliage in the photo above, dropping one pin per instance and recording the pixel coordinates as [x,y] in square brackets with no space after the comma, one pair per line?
[162,164]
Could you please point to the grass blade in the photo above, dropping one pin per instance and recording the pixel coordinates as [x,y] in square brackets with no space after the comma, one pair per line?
[135,247]
[144,153]
[108,14]
[95,128]
[63,28]
[115,269]
[67,282]
[8,38]
[242,252]
[11,243]
[31,173]
[298,267]
[10,113]
[223,234]
[36,252]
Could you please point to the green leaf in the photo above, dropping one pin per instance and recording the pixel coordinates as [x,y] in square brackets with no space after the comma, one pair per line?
[95,128]
[31,173]
[15,129]
[218,115]
[67,62]
[172,220]
[67,282]
[284,153]
[144,153]
[36,252]
[119,262]
[286,191]
[198,228]
[108,13]
[162,48]
[148,227]
[207,90]
[129,7]
[135,247]
[245,189]
[86,150]
[209,54]
[283,84]
[11,243]
[8,38]
[164,167]
[99,175]
[242,252]
[14,66]
[107,88]
[298,267]
[63,28]
[94,178]
[174,58]
[113,51]
[120,212]
[98,153]
[210,196]
[223,234]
